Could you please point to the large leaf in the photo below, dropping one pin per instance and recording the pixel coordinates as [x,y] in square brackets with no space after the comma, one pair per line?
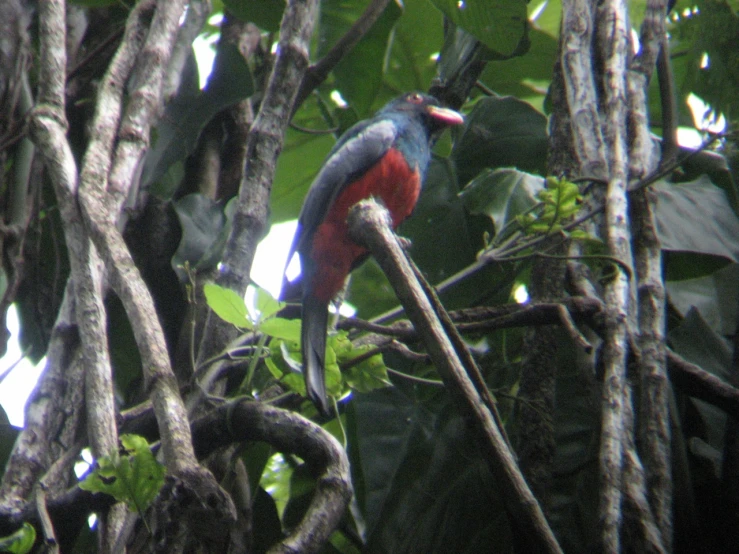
[526,77]
[499,24]
[573,500]
[502,194]
[501,132]
[188,113]
[417,38]
[358,75]
[695,341]
[696,217]
[716,296]
[420,466]
[266,14]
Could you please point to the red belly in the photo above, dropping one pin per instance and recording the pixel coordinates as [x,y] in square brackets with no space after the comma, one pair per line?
[391,182]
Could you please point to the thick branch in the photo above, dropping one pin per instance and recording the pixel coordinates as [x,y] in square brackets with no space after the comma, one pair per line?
[654,421]
[262,148]
[245,420]
[618,292]
[368,224]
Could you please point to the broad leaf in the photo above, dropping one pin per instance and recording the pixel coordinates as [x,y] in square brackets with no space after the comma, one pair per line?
[501,132]
[265,14]
[359,74]
[132,476]
[715,296]
[280,328]
[228,305]
[502,194]
[297,166]
[499,24]
[696,217]
[423,467]
[695,341]
[267,305]
[417,39]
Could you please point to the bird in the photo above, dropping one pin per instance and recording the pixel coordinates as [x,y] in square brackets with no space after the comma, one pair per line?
[385,157]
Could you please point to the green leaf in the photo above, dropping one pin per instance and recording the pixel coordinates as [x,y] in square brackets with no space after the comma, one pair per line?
[228,305]
[332,372]
[358,75]
[716,296]
[501,132]
[696,217]
[502,194]
[417,37]
[710,34]
[369,374]
[19,542]
[297,166]
[132,476]
[414,464]
[267,305]
[528,76]
[265,14]
[280,328]
[499,24]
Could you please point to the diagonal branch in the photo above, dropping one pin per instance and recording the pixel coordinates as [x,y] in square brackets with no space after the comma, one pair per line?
[368,225]
[263,145]
[49,129]
[318,72]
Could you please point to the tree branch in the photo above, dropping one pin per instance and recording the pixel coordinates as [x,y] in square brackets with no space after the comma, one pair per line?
[263,146]
[318,72]
[654,420]
[288,432]
[368,224]
[618,292]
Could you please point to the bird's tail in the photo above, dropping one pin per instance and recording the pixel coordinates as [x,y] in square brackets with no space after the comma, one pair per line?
[313,342]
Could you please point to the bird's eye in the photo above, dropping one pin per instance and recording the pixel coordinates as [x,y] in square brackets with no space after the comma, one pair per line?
[415,98]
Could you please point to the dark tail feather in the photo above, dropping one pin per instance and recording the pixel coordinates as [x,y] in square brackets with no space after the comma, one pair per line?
[313,338]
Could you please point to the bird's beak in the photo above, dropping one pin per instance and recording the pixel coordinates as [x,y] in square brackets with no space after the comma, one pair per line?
[445,115]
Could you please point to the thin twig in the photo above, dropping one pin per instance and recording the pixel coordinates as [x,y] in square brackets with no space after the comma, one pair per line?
[50,541]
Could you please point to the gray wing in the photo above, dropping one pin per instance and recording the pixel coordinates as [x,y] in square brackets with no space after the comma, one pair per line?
[357,151]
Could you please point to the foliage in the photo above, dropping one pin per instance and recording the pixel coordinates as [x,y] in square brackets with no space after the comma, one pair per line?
[283,359]
[131,475]
[19,542]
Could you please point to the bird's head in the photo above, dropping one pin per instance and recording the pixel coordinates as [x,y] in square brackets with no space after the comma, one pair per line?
[425,107]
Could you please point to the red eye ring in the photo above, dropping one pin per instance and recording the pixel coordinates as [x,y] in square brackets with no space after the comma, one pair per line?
[415,98]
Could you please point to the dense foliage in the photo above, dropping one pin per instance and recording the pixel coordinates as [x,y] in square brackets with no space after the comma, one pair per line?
[615,382]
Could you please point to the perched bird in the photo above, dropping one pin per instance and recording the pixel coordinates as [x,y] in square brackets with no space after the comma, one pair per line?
[384,157]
